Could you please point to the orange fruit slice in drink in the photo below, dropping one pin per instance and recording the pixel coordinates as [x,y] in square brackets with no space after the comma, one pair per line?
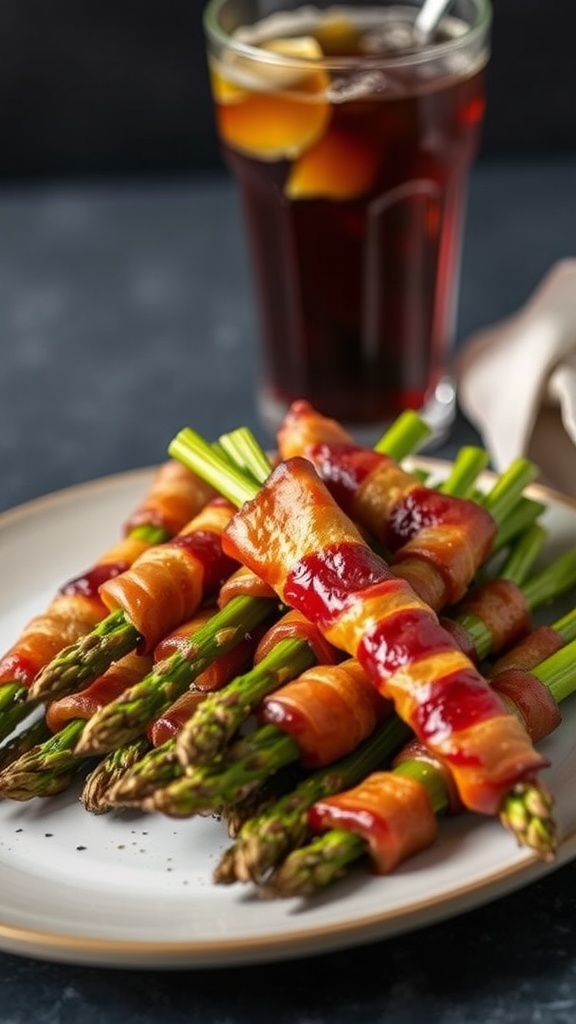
[269,110]
[338,37]
[340,166]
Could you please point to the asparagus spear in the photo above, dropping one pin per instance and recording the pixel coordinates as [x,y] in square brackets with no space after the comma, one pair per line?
[193,451]
[211,783]
[133,711]
[100,781]
[80,663]
[46,769]
[127,717]
[265,839]
[526,811]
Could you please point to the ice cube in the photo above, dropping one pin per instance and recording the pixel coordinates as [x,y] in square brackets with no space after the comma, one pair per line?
[359,85]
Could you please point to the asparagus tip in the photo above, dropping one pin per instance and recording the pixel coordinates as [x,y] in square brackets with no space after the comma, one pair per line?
[527,812]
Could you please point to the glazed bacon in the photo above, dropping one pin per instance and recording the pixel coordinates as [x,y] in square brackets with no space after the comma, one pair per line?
[169,581]
[529,650]
[438,541]
[222,669]
[317,562]
[500,605]
[174,497]
[392,813]
[125,672]
[328,710]
[294,625]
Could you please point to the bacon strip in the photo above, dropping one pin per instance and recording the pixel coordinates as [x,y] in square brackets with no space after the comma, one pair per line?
[243,583]
[317,562]
[167,584]
[294,625]
[500,606]
[438,541]
[223,668]
[328,711]
[392,813]
[123,673]
[529,651]
[174,496]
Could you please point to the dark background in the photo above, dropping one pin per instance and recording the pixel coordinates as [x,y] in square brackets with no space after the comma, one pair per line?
[119,87]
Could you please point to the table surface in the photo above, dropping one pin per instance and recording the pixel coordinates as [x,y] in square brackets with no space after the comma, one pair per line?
[126,313]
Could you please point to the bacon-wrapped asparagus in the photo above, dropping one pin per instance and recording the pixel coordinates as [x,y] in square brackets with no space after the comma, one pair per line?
[161,589]
[318,562]
[316,718]
[392,815]
[50,766]
[438,540]
[173,497]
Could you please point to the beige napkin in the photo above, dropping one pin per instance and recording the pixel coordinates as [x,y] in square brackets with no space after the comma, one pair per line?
[517,381]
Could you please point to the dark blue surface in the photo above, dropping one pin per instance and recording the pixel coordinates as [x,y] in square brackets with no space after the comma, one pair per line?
[125,312]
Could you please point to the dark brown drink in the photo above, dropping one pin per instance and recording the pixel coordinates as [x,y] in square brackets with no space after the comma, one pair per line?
[352,158]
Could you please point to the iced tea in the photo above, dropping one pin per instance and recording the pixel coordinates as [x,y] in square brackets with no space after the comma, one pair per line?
[351,147]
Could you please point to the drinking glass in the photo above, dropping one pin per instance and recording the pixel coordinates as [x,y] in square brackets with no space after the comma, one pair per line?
[351,142]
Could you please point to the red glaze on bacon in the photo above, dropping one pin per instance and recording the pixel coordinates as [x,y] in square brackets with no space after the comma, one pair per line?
[328,710]
[126,672]
[175,496]
[170,722]
[167,584]
[392,813]
[294,625]
[317,562]
[303,426]
[439,541]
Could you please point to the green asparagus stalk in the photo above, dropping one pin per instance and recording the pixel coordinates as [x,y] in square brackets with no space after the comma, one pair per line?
[46,769]
[102,779]
[526,810]
[23,741]
[81,663]
[157,767]
[127,717]
[210,788]
[205,736]
[264,840]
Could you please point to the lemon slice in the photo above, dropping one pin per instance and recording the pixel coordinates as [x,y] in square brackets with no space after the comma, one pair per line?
[340,167]
[272,110]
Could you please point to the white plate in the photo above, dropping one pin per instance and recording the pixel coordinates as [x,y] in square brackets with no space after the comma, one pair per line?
[136,890]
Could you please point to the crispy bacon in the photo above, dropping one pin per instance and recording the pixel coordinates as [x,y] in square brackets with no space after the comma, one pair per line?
[392,813]
[500,605]
[294,625]
[531,699]
[438,541]
[530,650]
[222,669]
[123,673]
[170,722]
[328,710]
[317,562]
[175,496]
[243,583]
[167,584]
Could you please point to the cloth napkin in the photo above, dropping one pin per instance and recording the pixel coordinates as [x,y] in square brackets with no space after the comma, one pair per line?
[517,381]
